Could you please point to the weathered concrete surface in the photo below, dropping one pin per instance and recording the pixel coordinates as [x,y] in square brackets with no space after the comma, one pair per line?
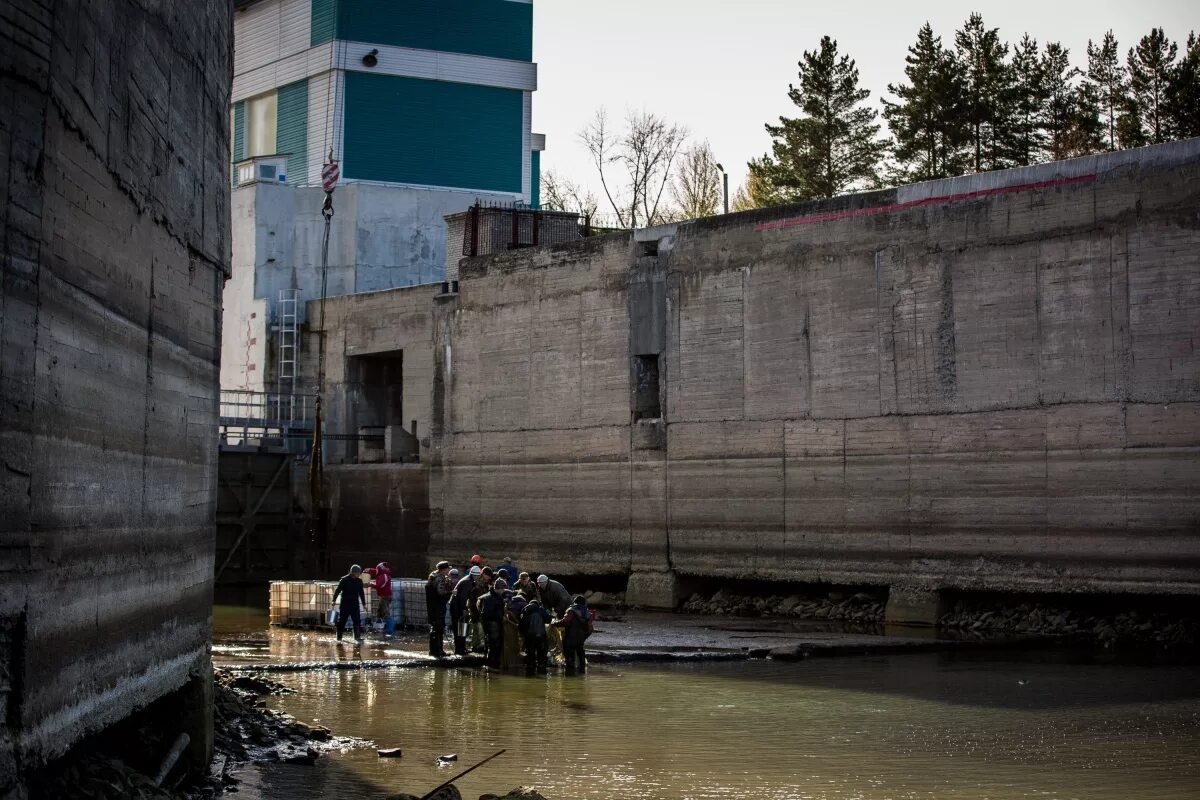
[381,237]
[361,327]
[114,189]
[989,383]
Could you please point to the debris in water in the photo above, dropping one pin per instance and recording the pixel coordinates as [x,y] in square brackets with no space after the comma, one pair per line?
[449,759]
[389,752]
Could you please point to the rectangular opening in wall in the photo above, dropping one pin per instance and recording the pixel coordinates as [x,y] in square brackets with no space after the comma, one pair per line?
[374,403]
[646,403]
[648,248]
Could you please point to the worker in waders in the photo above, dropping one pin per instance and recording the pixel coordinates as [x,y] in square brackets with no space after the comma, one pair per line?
[577,627]
[534,618]
[483,585]
[491,614]
[555,599]
[437,593]
[353,598]
[460,600]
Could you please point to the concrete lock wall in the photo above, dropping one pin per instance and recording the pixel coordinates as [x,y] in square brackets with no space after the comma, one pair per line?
[114,173]
[990,382]
[380,511]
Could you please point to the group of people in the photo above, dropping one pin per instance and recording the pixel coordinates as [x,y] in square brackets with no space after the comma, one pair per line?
[507,615]
[503,613]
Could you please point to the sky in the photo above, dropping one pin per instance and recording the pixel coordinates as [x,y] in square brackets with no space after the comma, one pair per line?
[722,68]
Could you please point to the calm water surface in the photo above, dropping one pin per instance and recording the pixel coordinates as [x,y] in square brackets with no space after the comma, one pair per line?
[915,726]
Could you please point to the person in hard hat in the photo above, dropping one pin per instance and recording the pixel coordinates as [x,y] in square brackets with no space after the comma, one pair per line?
[459,600]
[554,595]
[353,598]
[555,599]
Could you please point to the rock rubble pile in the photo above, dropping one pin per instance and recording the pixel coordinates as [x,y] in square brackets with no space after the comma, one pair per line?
[857,607]
[1164,630]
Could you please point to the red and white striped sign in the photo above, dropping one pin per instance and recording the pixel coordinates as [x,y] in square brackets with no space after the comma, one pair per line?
[329,176]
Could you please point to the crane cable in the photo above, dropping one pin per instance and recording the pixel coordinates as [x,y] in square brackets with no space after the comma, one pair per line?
[315,468]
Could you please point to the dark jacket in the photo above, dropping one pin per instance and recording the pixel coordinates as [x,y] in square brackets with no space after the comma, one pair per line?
[510,573]
[461,596]
[437,592]
[477,592]
[350,589]
[555,597]
[575,625]
[491,607]
[534,618]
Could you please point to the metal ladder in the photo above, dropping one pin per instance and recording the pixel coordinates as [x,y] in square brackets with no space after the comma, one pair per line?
[289,341]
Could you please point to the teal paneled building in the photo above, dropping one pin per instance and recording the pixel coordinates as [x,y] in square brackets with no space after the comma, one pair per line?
[418,93]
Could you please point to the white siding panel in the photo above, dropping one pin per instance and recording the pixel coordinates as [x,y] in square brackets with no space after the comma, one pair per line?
[438,66]
[295,22]
[268,32]
[407,62]
[255,36]
[298,66]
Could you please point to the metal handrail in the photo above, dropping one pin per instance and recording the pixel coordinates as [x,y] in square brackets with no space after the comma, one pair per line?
[275,406]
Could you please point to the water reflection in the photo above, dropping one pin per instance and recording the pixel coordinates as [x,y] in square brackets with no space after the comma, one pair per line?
[905,726]
[915,726]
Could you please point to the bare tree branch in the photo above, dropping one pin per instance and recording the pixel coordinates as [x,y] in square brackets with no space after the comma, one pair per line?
[697,185]
[644,152]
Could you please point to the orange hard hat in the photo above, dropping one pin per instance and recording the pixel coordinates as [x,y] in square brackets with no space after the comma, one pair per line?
[476,559]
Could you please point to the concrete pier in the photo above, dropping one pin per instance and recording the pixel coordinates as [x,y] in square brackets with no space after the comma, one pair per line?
[114,191]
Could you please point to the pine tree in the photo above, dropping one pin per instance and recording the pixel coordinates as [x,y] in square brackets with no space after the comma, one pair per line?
[1029,86]
[1130,131]
[1151,64]
[756,192]
[1183,92]
[1070,117]
[1106,77]
[926,122]
[834,146]
[989,94]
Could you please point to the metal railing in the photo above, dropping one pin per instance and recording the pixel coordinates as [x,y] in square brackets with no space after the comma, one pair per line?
[266,418]
[264,406]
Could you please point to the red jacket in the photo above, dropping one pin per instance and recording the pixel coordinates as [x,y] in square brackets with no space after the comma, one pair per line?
[381,579]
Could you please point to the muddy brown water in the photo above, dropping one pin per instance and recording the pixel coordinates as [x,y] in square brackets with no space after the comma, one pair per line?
[904,726]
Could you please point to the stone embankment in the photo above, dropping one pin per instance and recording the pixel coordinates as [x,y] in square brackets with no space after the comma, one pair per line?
[863,608]
[1132,628]
[1168,630]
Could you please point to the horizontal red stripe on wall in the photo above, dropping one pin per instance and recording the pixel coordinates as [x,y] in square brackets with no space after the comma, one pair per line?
[947,198]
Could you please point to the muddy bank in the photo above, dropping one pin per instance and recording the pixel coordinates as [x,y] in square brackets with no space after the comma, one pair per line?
[122,762]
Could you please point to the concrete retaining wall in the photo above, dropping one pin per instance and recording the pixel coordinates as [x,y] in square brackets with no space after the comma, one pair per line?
[114,187]
[987,382]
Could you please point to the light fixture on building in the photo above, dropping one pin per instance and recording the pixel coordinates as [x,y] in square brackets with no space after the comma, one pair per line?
[371,58]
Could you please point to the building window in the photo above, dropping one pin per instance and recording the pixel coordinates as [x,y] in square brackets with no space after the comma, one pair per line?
[261,119]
